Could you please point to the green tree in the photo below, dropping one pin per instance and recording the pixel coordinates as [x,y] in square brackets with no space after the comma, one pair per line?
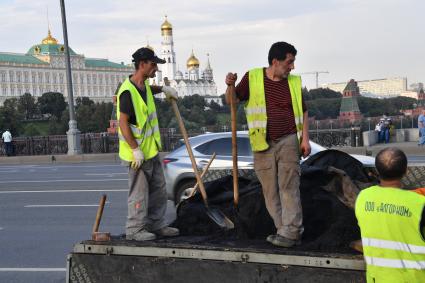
[10,117]
[52,103]
[27,106]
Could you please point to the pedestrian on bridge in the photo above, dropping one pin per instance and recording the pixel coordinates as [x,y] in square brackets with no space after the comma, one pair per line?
[278,132]
[139,145]
[392,224]
[421,127]
[7,140]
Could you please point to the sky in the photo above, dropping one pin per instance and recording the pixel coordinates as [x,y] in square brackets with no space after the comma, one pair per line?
[350,39]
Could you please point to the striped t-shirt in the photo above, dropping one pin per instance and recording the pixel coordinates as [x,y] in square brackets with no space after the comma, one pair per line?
[280,115]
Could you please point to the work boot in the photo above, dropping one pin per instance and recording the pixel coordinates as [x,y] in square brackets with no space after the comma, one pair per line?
[167,232]
[284,242]
[270,238]
[141,235]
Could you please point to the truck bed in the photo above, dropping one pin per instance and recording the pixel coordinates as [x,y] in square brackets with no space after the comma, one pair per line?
[207,259]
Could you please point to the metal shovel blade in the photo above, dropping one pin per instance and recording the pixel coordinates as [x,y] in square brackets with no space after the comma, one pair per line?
[219,218]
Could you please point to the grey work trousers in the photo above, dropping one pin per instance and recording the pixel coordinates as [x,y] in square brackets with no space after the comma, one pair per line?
[278,171]
[147,197]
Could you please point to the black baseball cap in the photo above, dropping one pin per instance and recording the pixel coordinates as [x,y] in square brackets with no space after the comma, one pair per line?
[145,53]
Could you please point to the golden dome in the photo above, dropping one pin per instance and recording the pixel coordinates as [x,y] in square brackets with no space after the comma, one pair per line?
[192,62]
[49,39]
[166,25]
[166,28]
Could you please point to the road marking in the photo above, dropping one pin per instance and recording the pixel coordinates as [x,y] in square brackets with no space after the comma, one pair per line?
[63,205]
[1,228]
[63,191]
[56,180]
[105,174]
[9,171]
[31,269]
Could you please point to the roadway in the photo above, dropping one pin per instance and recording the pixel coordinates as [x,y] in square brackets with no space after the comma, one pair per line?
[46,209]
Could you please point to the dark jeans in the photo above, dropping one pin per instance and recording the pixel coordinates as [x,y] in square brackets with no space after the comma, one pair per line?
[384,135]
[8,147]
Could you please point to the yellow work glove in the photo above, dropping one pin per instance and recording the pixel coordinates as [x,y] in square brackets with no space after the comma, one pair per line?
[138,158]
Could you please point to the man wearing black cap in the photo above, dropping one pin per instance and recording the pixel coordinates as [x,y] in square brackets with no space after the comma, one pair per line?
[140,143]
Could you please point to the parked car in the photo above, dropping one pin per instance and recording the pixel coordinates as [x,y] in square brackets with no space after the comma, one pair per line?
[178,170]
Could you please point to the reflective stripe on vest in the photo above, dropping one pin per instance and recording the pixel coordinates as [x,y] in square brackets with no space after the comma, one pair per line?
[394,263]
[256,112]
[393,246]
[146,131]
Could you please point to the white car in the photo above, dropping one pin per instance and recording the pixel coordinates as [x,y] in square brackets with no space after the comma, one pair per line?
[178,170]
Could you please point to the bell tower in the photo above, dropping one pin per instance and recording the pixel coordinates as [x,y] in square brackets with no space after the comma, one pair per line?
[167,51]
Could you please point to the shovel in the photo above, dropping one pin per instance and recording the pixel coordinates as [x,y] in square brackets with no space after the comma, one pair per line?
[234,151]
[195,188]
[215,214]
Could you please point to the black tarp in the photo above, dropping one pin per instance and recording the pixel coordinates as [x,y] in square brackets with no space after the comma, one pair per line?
[330,182]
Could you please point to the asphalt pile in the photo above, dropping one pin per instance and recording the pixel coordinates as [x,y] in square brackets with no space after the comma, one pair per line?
[330,182]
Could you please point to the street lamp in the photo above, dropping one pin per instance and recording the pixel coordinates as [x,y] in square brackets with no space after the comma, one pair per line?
[73,134]
[368,120]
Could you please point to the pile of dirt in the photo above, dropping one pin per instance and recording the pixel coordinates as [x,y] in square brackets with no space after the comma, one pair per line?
[330,181]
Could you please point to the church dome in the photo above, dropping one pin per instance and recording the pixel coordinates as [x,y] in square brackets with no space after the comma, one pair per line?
[49,39]
[166,27]
[192,62]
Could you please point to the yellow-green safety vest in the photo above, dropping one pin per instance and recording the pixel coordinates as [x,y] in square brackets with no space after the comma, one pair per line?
[255,108]
[146,131]
[393,247]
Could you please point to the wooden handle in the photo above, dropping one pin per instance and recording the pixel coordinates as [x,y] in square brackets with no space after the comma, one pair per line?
[234,148]
[99,214]
[203,174]
[189,150]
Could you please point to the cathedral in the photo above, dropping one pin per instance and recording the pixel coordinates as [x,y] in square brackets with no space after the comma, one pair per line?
[191,81]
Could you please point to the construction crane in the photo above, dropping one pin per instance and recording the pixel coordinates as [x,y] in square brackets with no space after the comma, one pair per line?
[317,75]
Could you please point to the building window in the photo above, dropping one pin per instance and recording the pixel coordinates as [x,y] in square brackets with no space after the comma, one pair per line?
[94,79]
[26,77]
[81,79]
[11,76]
[40,77]
[100,79]
[18,76]
[106,79]
[3,76]
[4,90]
[33,77]
[88,79]
[61,78]
[74,78]
[47,78]
[55,78]
[12,90]
[40,88]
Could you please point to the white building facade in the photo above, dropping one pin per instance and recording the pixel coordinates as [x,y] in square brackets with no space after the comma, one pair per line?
[191,81]
[42,69]
[381,88]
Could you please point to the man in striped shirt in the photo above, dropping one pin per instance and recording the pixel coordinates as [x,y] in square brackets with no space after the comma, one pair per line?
[278,129]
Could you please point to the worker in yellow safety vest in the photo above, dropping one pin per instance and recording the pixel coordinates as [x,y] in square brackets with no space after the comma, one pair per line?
[277,119]
[392,224]
[139,144]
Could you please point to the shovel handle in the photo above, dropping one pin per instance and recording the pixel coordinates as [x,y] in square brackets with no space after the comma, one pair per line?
[234,147]
[99,214]
[189,150]
[203,174]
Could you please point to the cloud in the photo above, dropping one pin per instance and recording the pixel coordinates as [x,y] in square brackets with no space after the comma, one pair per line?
[357,39]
